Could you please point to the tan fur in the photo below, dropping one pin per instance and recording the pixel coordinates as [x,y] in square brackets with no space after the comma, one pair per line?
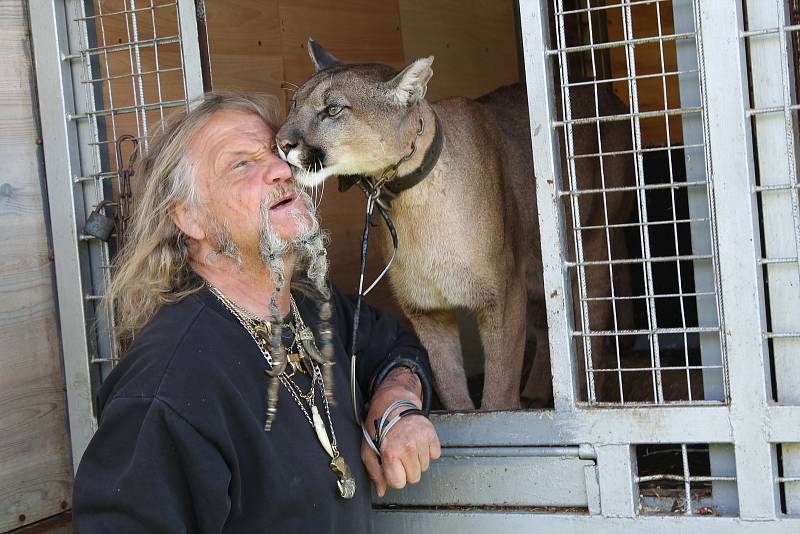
[468,233]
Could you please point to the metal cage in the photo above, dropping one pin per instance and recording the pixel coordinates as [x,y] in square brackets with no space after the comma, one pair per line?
[674,411]
[697,423]
[105,68]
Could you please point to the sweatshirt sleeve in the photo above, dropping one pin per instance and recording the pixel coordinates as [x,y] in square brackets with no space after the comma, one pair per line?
[380,340]
[148,470]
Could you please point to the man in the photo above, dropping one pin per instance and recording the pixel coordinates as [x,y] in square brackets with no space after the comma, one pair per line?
[221,415]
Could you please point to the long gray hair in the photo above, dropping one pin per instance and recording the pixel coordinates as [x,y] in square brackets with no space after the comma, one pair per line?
[153,267]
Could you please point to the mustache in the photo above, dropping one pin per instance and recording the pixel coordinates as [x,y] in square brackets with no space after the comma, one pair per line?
[279,191]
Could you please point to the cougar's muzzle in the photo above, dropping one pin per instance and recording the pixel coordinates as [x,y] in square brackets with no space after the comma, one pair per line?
[293,149]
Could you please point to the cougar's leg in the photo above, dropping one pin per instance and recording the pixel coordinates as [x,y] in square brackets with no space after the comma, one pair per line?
[438,331]
[502,329]
[598,284]
[538,387]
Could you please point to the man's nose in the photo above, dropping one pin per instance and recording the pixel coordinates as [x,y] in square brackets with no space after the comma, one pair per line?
[278,171]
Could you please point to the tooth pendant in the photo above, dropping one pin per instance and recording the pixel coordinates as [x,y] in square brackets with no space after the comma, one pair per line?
[346,483]
[322,434]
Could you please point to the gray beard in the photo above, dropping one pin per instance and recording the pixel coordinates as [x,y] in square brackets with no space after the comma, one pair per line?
[308,246]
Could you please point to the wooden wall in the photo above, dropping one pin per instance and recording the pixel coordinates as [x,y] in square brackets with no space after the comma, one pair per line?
[35,463]
[258,45]
[654,93]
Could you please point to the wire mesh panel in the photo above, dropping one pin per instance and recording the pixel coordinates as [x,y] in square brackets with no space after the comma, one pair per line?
[636,201]
[677,479]
[131,74]
[770,36]
[107,72]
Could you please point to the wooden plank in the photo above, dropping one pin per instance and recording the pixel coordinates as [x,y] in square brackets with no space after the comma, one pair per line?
[35,466]
[475,44]
[246,46]
[356,31]
[645,19]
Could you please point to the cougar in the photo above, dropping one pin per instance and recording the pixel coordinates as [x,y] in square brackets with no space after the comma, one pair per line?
[463,204]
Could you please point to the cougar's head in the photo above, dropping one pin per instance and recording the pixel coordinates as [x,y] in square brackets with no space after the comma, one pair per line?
[351,119]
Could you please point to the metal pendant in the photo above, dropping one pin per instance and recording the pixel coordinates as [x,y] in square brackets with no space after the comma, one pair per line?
[346,482]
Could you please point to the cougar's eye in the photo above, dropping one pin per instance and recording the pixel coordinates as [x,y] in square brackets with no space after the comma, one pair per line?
[333,110]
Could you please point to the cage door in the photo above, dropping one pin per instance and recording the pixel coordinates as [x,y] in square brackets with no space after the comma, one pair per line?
[107,73]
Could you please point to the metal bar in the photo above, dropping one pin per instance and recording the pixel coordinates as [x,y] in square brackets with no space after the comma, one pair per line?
[123,47]
[616,472]
[604,7]
[619,117]
[657,296]
[584,452]
[646,187]
[499,519]
[601,426]
[643,150]
[126,109]
[630,41]
[775,187]
[541,102]
[781,335]
[730,169]
[123,76]
[681,478]
[769,31]
[786,108]
[640,261]
[597,80]
[190,51]
[56,100]
[566,110]
[122,12]
[649,331]
[772,87]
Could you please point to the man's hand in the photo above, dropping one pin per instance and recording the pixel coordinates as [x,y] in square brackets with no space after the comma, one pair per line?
[410,445]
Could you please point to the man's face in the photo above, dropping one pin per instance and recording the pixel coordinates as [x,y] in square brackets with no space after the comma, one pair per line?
[237,169]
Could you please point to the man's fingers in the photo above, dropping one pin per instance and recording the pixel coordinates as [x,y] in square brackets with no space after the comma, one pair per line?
[374,469]
[424,459]
[435,448]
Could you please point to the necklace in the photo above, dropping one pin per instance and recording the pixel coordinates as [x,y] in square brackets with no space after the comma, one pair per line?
[262,333]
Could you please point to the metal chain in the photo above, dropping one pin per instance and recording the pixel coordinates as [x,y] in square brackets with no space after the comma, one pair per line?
[246,319]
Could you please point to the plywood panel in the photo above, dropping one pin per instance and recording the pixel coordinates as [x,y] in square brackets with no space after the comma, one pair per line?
[246,45]
[356,31]
[475,44]
[35,465]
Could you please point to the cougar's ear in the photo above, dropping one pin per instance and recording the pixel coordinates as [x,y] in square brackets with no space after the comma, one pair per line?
[410,85]
[322,58]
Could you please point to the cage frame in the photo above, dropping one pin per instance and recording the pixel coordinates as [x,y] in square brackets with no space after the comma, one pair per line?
[66,109]
[602,436]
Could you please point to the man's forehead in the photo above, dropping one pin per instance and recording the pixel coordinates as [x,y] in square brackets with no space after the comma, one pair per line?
[234,126]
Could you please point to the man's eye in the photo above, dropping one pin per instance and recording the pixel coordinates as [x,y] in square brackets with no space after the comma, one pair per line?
[240,164]
[333,110]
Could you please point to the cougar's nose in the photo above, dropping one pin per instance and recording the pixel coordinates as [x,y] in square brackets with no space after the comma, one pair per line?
[287,145]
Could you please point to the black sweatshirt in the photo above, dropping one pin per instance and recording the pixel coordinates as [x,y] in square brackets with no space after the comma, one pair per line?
[181,445]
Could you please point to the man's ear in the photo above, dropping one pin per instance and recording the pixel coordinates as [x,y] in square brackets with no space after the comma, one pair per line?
[410,86]
[185,219]
[322,58]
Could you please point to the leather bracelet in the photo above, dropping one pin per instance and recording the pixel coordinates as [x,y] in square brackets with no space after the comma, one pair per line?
[416,367]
